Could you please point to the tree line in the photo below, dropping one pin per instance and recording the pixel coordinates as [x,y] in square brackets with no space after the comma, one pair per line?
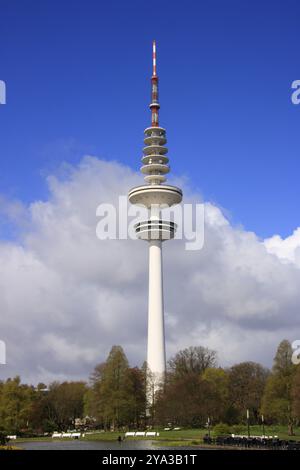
[195,389]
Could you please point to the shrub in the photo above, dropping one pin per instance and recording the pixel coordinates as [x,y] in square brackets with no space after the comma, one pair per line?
[221,429]
[238,429]
[3,438]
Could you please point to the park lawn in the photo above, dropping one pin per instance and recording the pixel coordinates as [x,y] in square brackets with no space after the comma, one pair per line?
[280,431]
[26,439]
[196,435]
[42,439]
[184,434]
[184,437]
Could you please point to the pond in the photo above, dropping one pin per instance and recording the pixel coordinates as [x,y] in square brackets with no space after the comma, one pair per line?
[92,445]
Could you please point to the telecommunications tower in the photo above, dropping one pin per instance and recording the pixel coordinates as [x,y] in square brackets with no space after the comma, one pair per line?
[155,195]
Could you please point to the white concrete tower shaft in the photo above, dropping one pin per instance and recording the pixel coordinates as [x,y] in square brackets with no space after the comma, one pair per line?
[156,351]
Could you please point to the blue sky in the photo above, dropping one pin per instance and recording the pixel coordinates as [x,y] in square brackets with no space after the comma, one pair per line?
[78,83]
[77,76]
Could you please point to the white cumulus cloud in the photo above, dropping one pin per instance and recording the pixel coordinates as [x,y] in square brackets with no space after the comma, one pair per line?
[66,297]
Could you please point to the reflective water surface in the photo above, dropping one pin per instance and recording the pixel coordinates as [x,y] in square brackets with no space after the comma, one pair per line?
[92,445]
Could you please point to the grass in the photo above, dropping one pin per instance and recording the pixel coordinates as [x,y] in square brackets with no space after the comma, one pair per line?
[177,443]
[183,437]
[10,448]
[187,437]
[280,431]
[186,434]
[42,439]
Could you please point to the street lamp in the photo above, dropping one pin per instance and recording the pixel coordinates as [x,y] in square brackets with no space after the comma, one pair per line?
[263,424]
[208,426]
[248,423]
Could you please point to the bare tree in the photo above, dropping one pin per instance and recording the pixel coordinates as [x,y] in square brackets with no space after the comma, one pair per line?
[195,359]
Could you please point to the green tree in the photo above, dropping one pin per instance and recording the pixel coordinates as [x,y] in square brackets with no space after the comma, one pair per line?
[109,397]
[185,401]
[135,390]
[57,408]
[218,400]
[93,405]
[16,401]
[278,397]
[247,381]
[296,394]
[283,364]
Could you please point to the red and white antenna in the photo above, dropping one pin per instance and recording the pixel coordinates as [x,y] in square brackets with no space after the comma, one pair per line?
[154,106]
[154,58]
